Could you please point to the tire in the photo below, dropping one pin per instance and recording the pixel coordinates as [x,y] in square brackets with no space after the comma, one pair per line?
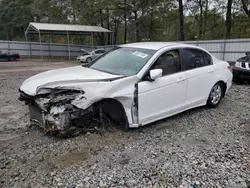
[215,95]
[88,60]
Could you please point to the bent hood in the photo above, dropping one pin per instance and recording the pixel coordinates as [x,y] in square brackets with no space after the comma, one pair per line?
[61,76]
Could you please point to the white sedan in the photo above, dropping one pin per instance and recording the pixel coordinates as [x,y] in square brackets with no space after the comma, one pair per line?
[87,57]
[133,85]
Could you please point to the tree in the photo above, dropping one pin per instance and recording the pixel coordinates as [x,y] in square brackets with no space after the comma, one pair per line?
[15,16]
[196,9]
[125,22]
[205,17]
[182,36]
[229,19]
[245,4]
[130,20]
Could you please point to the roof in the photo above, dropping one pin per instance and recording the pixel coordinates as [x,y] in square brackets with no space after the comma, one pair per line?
[48,28]
[154,45]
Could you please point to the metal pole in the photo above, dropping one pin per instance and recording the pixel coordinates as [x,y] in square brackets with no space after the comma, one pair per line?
[49,47]
[26,39]
[41,47]
[68,44]
[8,44]
[113,37]
[92,40]
[224,50]
[111,40]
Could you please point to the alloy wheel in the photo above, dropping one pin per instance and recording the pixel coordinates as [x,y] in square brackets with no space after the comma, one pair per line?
[216,94]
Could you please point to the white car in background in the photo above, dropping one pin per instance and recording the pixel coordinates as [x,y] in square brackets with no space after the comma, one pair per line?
[87,57]
[132,84]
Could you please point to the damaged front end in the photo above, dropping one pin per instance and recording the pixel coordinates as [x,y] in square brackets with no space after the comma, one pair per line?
[58,109]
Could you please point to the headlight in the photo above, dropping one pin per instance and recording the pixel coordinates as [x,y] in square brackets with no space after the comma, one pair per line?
[238,64]
[41,91]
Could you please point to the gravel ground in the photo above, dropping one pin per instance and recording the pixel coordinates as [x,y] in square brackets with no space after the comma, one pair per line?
[205,147]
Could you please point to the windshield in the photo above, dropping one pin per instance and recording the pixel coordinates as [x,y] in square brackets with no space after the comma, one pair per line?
[123,61]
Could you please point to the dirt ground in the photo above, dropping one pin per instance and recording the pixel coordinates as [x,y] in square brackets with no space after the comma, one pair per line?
[29,158]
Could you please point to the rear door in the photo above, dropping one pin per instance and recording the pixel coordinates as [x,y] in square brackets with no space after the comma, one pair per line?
[199,72]
[166,95]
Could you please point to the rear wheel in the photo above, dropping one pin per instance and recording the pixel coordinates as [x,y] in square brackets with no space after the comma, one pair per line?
[215,96]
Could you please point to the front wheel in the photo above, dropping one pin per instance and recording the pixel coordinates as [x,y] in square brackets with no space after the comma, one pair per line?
[215,95]
[88,60]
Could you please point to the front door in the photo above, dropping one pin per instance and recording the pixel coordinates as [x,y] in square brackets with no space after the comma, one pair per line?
[166,95]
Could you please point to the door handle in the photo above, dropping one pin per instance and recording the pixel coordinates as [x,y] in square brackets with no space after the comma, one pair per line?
[181,79]
[210,70]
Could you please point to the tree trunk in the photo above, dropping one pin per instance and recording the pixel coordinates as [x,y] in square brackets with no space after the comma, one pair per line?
[137,30]
[200,20]
[102,25]
[74,15]
[244,5]
[116,30]
[61,11]
[229,19]
[205,18]
[125,22]
[108,27]
[182,35]
[151,26]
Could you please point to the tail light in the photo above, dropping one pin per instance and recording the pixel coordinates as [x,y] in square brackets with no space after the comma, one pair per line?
[230,68]
[18,55]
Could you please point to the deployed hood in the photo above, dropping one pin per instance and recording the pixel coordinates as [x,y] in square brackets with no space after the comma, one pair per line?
[60,76]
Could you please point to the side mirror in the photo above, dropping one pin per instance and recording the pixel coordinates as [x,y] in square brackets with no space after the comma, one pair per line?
[248,53]
[155,73]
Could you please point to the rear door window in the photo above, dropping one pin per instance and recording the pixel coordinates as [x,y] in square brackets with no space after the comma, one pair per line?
[207,58]
[195,58]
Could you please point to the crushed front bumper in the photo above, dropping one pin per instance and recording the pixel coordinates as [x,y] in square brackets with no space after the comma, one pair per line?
[36,114]
[58,115]
[65,121]
[37,117]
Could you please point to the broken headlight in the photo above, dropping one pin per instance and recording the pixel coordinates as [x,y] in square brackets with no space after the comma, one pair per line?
[41,91]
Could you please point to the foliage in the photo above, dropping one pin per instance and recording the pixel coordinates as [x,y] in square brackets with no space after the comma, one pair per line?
[130,20]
